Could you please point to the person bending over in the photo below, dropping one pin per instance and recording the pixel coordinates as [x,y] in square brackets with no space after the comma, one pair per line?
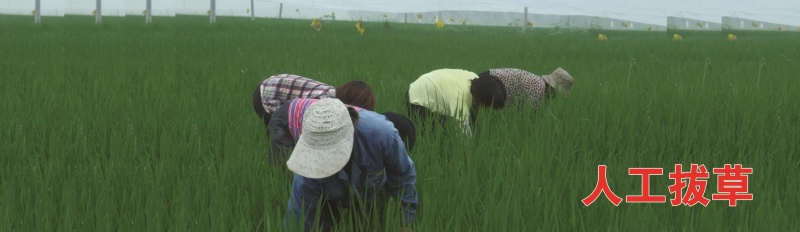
[454,94]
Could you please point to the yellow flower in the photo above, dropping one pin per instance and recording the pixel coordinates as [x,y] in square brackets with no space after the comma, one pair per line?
[530,24]
[316,24]
[601,37]
[731,37]
[439,23]
[360,27]
[463,21]
[676,38]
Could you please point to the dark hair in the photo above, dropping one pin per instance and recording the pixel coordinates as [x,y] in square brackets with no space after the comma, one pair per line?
[405,127]
[353,115]
[356,93]
[488,90]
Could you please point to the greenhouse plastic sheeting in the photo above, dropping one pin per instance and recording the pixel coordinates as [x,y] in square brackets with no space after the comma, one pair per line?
[485,12]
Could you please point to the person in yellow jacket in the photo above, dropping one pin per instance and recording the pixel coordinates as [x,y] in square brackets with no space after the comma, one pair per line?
[456,94]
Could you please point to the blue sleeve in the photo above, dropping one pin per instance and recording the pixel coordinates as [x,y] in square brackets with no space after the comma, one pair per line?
[401,175]
[303,202]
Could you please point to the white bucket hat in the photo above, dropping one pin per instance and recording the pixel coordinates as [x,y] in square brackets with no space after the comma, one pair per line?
[326,143]
[560,80]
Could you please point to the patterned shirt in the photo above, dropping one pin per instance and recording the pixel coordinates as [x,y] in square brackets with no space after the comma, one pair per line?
[521,86]
[282,88]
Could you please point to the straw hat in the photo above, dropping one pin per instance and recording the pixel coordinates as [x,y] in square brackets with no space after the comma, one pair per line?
[326,143]
[559,79]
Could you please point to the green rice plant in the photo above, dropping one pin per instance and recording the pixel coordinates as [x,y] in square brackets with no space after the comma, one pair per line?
[126,126]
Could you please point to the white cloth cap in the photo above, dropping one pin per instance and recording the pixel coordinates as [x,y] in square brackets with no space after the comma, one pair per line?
[325,145]
[560,80]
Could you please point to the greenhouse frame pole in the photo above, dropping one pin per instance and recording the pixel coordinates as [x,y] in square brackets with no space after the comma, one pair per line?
[252,11]
[37,14]
[525,19]
[213,15]
[148,18]
[98,12]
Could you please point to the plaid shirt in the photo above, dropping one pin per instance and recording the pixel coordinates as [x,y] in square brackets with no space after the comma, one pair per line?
[279,89]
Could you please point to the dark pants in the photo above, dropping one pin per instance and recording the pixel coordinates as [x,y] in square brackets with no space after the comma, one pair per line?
[422,114]
[259,107]
[438,121]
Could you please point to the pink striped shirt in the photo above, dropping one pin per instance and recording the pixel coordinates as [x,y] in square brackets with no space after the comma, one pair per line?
[296,111]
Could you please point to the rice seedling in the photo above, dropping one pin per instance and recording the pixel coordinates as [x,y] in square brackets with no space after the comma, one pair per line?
[125,126]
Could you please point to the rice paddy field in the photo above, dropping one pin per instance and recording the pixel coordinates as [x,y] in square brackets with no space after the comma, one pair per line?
[131,127]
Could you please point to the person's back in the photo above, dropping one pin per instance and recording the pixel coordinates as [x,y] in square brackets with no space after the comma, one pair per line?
[521,86]
[276,90]
[444,91]
[525,87]
[381,133]
[279,89]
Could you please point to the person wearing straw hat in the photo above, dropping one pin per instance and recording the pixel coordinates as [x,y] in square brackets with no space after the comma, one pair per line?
[344,162]
[525,87]
[456,94]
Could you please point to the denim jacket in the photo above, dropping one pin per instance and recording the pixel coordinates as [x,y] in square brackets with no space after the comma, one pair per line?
[380,163]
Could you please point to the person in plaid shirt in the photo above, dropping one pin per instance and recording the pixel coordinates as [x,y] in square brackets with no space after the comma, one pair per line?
[279,89]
